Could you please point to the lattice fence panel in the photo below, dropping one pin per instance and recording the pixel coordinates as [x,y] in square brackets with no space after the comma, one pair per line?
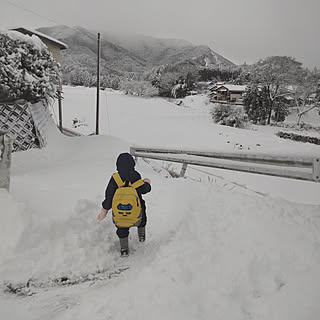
[17,121]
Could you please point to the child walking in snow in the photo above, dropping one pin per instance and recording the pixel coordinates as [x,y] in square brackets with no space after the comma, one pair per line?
[126,175]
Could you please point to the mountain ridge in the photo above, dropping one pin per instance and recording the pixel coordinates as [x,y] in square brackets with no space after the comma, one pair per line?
[124,53]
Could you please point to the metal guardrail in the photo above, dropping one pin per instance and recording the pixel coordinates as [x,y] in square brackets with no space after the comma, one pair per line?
[282,166]
[5,160]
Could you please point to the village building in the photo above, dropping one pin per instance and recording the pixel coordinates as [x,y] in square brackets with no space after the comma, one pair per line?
[230,92]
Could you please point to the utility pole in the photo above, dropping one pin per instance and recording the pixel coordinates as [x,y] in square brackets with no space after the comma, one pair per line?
[59,92]
[98,85]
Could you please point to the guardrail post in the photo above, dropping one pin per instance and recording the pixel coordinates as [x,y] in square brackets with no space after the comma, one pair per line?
[5,160]
[133,153]
[316,169]
[183,170]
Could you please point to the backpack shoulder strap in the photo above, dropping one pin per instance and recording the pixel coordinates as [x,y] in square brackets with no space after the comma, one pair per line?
[137,184]
[117,179]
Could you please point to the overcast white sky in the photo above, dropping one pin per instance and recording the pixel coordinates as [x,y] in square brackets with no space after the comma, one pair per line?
[240,30]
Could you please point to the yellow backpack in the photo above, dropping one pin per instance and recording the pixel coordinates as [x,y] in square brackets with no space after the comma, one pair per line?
[126,205]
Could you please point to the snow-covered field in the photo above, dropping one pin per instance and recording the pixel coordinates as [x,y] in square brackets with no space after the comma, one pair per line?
[220,245]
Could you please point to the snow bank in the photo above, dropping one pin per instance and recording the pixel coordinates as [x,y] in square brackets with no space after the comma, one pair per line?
[12,223]
[61,188]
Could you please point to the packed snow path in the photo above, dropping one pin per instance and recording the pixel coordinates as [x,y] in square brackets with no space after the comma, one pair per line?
[210,252]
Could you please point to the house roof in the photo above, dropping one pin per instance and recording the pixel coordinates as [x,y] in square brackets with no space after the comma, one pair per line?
[31,32]
[232,87]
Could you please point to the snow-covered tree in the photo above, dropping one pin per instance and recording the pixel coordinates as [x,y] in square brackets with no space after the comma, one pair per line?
[81,77]
[256,103]
[27,69]
[179,90]
[166,77]
[281,108]
[276,74]
[165,82]
[139,88]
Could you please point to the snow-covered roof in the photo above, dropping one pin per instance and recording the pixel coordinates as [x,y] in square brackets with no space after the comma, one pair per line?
[41,35]
[233,87]
[33,40]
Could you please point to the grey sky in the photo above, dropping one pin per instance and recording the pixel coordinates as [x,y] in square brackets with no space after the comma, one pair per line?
[240,30]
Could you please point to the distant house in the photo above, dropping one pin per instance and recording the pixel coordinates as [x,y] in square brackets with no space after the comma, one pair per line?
[54,46]
[230,92]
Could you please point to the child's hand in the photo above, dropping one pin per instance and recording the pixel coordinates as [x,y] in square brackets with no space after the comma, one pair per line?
[102,214]
[147,180]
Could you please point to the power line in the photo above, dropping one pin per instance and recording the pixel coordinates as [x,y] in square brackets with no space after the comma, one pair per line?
[38,14]
[31,11]
[107,109]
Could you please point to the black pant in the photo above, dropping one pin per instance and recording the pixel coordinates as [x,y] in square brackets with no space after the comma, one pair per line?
[124,232]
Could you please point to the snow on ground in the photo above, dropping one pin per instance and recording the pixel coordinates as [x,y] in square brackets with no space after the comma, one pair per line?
[220,245]
[160,123]
[312,117]
[157,122]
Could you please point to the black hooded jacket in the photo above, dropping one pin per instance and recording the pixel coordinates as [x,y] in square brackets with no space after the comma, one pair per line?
[125,167]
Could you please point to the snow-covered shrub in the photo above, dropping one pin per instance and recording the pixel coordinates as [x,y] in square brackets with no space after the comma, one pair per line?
[229,115]
[113,83]
[27,69]
[298,137]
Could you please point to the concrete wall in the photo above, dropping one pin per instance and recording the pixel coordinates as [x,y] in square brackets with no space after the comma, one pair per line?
[5,160]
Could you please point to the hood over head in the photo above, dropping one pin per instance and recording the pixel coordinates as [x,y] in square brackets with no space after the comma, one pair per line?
[125,165]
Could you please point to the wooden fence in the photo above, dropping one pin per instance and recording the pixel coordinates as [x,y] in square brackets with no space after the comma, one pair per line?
[5,160]
[301,168]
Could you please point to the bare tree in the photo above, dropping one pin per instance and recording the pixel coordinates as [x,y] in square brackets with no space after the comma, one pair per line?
[306,93]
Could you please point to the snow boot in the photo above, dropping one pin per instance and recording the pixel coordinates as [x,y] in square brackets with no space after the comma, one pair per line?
[124,246]
[142,234]
[124,252]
